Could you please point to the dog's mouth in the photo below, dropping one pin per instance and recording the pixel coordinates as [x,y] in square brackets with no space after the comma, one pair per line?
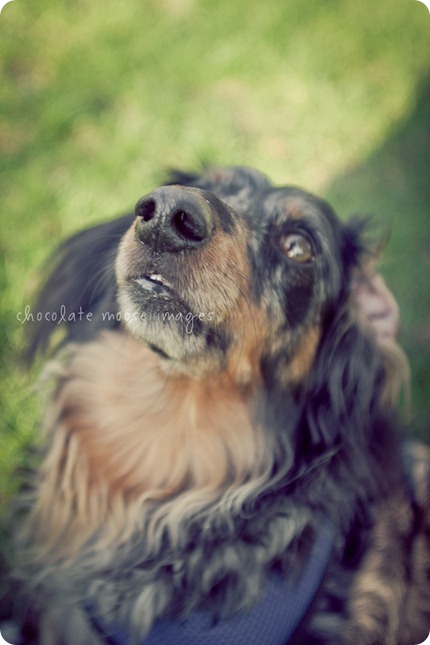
[154,293]
[155,309]
[155,283]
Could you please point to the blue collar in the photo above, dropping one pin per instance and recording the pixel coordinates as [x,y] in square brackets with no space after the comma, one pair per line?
[275,619]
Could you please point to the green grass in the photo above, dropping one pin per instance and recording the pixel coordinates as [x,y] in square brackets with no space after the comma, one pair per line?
[98,97]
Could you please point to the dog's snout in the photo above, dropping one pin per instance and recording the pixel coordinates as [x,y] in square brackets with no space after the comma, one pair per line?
[172,219]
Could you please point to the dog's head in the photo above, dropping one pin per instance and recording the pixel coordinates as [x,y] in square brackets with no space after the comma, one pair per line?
[224,273]
[225,270]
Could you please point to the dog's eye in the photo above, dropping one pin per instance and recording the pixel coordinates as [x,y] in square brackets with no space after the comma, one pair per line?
[297,247]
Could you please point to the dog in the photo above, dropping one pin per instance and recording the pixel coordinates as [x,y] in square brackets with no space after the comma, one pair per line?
[224,459]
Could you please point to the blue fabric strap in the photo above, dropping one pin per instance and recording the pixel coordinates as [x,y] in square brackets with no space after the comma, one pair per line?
[275,619]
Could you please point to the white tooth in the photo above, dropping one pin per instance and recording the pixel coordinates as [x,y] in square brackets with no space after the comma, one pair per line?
[159,278]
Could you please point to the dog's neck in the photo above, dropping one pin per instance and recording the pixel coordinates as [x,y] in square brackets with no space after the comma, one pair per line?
[146,431]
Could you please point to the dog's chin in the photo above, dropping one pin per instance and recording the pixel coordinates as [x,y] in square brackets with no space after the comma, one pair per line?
[154,315]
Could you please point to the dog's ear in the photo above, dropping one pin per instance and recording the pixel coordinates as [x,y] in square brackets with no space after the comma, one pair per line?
[376,307]
[352,400]
[358,244]
[353,372]
[345,382]
[80,285]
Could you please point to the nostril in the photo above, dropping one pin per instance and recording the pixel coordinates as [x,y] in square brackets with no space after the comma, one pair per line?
[189,227]
[146,210]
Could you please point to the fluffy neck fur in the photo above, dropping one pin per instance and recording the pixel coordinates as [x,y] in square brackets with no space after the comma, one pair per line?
[126,435]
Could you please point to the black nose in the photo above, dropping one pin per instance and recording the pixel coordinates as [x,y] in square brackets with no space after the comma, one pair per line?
[174,219]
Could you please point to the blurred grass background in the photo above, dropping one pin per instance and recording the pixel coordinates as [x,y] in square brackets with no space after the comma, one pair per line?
[96,98]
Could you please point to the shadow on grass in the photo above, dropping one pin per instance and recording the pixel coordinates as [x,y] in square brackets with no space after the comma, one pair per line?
[394,185]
